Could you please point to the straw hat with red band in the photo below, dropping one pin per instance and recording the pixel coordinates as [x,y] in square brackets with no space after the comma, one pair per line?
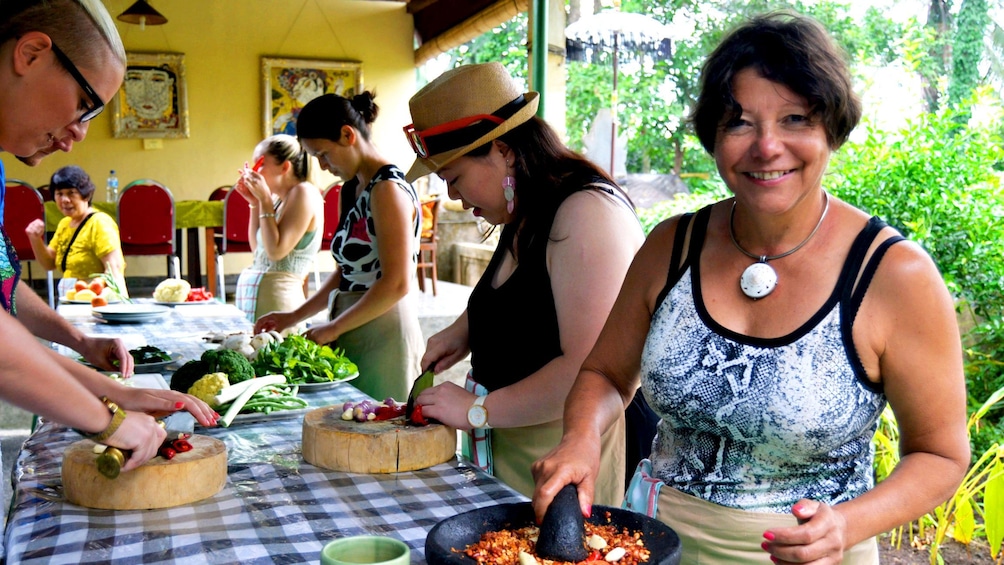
[463,109]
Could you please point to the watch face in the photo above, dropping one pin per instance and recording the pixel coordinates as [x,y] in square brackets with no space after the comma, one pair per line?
[477,416]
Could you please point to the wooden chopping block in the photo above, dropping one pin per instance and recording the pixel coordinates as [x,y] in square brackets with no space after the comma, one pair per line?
[159,483]
[386,446]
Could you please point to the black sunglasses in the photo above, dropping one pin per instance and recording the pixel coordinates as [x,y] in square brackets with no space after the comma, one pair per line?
[91,112]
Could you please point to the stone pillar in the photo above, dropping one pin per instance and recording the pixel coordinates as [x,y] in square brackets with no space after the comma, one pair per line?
[455,226]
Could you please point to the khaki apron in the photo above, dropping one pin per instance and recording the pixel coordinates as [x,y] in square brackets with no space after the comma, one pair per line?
[515,449]
[718,535]
[279,292]
[387,350]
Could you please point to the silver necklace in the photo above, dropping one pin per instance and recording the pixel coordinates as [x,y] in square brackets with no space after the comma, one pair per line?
[760,279]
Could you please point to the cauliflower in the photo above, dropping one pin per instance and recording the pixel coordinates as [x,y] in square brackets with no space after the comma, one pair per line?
[172,290]
[208,387]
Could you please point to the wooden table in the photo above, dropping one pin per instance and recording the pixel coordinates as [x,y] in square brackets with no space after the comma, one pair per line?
[275,508]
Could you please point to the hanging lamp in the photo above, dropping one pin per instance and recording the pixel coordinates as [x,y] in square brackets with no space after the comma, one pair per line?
[142,13]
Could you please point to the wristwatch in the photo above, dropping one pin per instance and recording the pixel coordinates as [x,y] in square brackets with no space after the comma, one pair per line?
[118,415]
[477,414]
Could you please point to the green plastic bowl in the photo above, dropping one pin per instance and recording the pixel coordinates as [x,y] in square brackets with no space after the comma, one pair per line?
[366,550]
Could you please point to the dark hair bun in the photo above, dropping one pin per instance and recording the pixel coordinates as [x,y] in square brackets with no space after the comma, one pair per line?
[363,103]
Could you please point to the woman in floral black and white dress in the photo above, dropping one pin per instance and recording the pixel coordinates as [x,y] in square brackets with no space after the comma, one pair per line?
[375,250]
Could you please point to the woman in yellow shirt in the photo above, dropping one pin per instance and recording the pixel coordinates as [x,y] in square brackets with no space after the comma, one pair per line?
[86,240]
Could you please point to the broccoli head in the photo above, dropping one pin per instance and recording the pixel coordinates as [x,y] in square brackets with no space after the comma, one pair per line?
[233,363]
[187,374]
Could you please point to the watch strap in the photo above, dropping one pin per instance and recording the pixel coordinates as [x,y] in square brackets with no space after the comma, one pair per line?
[118,416]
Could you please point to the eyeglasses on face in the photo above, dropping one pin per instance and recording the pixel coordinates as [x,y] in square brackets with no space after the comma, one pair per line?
[97,105]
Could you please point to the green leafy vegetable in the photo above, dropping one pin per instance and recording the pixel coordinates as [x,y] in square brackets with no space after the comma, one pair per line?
[149,354]
[303,362]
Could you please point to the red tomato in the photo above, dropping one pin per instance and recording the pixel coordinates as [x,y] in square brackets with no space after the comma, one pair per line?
[96,286]
[417,418]
[79,285]
[199,294]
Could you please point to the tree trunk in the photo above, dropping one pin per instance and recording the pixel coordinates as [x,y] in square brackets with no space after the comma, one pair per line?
[938,18]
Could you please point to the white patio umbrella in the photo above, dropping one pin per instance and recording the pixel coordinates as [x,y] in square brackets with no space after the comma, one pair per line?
[637,35]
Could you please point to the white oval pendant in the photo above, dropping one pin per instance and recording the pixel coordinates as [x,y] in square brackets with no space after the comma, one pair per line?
[758,280]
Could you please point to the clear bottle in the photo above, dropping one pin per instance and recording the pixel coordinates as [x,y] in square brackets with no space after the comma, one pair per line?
[112,188]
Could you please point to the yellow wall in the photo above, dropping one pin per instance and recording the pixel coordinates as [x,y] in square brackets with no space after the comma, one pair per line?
[223,42]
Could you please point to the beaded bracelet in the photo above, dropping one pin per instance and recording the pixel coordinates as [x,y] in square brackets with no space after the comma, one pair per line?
[266,215]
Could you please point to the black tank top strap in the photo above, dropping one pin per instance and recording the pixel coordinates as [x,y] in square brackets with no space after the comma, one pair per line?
[851,276]
[858,292]
[695,225]
[606,187]
[857,274]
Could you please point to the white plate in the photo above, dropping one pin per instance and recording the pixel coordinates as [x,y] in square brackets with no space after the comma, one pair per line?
[314,387]
[255,417]
[139,368]
[156,367]
[129,313]
[64,300]
[193,303]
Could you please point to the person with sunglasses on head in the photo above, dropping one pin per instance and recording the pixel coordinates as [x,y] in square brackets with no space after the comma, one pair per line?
[48,95]
[287,219]
[86,240]
[770,331]
[371,316]
[569,233]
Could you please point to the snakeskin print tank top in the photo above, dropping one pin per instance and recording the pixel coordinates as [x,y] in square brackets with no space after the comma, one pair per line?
[757,424]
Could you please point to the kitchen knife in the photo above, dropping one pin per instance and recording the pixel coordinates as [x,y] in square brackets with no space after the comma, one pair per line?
[424,381]
[180,424]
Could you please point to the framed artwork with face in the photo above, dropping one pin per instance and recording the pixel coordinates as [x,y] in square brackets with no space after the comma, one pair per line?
[153,100]
[290,83]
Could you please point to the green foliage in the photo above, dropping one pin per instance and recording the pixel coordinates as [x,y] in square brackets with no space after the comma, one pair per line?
[967,51]
[979,494]
[506,43]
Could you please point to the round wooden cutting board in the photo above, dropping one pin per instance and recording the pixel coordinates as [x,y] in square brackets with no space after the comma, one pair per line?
[159,483]
[387,446]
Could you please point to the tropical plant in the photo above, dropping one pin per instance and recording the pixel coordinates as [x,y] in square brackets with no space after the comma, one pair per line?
[980,494]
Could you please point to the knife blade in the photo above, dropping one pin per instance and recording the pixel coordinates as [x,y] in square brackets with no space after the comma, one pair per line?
[424,381]
[179,425]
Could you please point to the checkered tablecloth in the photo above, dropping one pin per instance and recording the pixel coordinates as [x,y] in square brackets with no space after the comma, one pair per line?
[275,508]
[179,331]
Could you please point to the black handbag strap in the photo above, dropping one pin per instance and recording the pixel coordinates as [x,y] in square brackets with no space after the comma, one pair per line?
[62,267]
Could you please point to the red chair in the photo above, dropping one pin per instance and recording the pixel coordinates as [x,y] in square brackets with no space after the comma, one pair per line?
[23,205]
[236,217]
[214,240]
[46,193]
[332,214]
[428,244]
[146,222]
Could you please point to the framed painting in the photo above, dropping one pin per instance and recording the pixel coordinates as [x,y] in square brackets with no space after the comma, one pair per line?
[290,83]
[153,100]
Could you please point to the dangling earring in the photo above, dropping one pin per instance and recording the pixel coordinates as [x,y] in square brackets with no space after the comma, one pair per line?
[509,191]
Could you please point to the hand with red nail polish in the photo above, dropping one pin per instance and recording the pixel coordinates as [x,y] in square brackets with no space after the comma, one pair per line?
[157,402]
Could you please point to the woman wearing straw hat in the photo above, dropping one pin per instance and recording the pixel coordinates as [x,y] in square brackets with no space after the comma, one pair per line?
[569,234]
[375,249]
